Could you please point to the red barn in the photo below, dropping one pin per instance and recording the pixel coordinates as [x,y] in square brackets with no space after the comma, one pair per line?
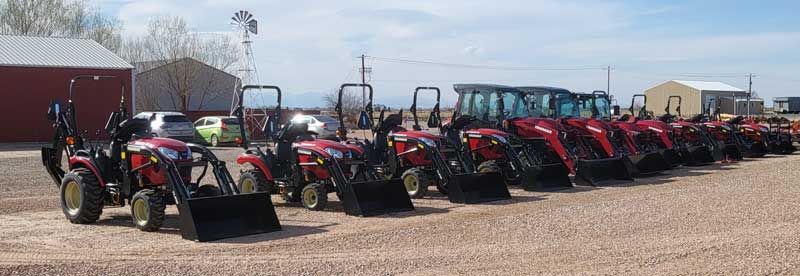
[37,70]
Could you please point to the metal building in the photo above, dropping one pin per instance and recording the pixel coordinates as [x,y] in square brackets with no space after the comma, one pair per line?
[36,70]
[695,96]
[786,105]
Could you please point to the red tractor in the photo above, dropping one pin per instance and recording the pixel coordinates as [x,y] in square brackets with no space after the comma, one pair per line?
[490,148]
[645,143]
[694,145]
[307,170]
[148,173]
[421,159]
[723,132]
[557,149]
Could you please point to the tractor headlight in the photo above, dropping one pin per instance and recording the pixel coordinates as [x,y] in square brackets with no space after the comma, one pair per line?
[170,153]
[500,138]
[337,154]
[428,142]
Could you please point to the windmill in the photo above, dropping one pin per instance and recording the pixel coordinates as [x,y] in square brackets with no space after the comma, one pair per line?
[254,117]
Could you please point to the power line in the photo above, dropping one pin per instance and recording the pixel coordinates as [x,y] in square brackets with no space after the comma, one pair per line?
[486,67]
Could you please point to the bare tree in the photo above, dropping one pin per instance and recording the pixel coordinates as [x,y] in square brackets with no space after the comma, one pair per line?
[59,18]
[351,104]
[187,65]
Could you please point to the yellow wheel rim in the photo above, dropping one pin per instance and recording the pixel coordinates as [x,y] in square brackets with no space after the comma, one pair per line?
[248,186]
[72,197]
[486,170]
[411,183]
[140,213]
[310,198]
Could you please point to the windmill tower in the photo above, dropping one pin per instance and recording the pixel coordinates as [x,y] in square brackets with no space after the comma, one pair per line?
[254,117]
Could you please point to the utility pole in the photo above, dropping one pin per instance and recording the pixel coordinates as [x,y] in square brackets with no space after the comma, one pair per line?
[608,80]
[749,92]
[363,81]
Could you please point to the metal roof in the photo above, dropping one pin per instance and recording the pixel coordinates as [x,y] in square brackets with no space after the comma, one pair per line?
[59,52]
[709,86]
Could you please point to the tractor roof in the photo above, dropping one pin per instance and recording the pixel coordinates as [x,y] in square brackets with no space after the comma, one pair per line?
[461,88]
[546,89]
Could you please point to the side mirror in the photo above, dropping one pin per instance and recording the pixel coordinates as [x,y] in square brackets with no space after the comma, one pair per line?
[53,110]
[270,127]
[433,120]
[363,121]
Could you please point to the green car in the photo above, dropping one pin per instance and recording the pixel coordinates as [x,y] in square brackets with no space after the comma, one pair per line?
[217,130]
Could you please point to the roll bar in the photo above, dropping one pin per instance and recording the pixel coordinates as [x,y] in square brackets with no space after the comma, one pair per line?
[338,108]
[436,110]
[677,109]
[239,111]
[644,106]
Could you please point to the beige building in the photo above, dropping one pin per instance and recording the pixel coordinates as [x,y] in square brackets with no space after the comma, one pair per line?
[695,96]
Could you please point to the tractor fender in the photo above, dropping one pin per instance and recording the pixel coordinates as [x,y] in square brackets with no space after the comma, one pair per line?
[256,161]
[85,162]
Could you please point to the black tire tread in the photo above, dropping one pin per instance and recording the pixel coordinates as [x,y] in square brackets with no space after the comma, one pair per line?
[92,203]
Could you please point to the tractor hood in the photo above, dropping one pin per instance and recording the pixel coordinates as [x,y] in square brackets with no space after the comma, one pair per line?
[325,147]
[487,131]
[589,126]
[416,134]
[535,127]
[156,142]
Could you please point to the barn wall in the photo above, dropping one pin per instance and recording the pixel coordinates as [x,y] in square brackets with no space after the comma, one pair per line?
[27,92]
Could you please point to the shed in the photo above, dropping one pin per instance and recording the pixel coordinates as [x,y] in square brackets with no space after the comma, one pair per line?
[695,96]
[36,70]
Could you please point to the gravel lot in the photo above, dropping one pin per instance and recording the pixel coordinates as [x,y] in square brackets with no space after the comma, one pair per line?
[733,219]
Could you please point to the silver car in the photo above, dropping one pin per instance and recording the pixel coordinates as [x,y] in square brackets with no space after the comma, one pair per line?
[324,127]
[173,125]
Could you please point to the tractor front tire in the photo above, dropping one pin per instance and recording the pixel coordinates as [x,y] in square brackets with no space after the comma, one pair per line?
[147,210]
[416,182]
[207,191]
[252,181]
[81,196]
[315,197]
[214,140]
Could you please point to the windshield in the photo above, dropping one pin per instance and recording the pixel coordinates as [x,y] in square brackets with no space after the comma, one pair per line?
[325,119]
[483,105]
[230,121]
[603,107]
[175,119]
[566,106]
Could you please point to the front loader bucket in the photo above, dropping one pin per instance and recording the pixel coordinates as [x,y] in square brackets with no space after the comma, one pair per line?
[756,150]
[648,163]
[733,151]
[672,157]
[547,177]
[227,216]
[788,147]
[374,198]
[470,188]
[602,171]
[697,156]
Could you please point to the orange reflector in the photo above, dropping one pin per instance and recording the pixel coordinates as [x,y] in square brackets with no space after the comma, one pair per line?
[238,140]
[70,140]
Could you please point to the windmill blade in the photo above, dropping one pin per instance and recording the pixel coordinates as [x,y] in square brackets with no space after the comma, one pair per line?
[252,26]
[249,16]
[241,15]
[234,20]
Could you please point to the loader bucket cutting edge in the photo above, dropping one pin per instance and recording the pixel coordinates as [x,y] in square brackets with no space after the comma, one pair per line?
[227,216]
[757,150]
[470,188]
[374,198]
[601,172]
[648,163]
[545,178]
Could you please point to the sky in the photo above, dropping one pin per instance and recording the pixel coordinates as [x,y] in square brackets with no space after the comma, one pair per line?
[309,48]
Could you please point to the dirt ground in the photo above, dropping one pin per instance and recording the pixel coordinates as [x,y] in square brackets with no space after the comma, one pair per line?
[735,219]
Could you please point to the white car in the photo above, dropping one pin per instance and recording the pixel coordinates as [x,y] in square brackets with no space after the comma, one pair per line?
[324,127]
[173,125]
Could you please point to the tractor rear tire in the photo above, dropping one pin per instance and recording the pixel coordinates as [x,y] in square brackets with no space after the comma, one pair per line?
[207,191]
[147,210]
[416,182]
[81,196]
[489,166]
[315,197]
[252,181]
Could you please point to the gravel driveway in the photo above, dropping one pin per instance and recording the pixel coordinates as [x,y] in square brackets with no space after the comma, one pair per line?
[737,219]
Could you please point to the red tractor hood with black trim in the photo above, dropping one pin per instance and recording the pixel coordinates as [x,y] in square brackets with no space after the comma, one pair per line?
[487,131]
[156,142]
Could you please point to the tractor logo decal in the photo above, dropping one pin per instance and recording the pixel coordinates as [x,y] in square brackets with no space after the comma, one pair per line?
[656,129]
[544,129]
[594,129]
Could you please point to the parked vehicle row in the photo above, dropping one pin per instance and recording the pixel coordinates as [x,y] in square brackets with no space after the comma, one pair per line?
[539,138]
